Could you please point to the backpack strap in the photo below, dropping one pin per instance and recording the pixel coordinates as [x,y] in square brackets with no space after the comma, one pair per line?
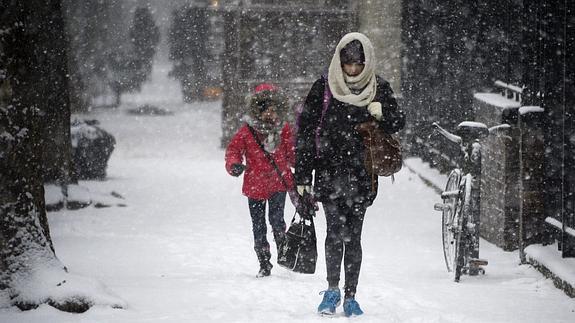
[325,104]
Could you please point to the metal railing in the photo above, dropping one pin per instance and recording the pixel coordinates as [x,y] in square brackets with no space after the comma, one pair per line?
[510,91]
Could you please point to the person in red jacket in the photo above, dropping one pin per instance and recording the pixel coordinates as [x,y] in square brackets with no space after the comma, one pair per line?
[264,137]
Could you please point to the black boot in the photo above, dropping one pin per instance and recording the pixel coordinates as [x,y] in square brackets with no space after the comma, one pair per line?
[265,264]
[265,270]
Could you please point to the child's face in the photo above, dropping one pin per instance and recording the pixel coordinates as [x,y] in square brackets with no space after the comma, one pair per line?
[270,115]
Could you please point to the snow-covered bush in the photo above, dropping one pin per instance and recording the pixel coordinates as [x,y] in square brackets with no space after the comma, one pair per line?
[91,149]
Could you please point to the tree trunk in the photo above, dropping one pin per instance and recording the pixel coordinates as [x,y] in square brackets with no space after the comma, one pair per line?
[30,271]
[117,95]
[55,93]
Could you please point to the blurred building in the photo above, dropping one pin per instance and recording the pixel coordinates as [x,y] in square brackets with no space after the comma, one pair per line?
[380,20]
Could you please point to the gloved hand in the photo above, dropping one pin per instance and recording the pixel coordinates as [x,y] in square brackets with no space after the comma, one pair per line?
[237,169]
[374,109]
[306,205]
[301,189]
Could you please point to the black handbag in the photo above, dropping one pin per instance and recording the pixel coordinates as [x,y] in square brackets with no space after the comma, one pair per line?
[298,253]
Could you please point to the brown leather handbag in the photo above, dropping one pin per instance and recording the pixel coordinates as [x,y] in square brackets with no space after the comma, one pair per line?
[382,150]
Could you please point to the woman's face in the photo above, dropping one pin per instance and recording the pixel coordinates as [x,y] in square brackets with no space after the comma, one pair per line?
[353,69]
[270,115]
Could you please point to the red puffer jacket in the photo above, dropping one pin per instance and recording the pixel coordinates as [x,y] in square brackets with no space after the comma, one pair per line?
[261,179]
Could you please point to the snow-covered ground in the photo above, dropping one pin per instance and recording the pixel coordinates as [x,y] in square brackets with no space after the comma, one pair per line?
[181,251]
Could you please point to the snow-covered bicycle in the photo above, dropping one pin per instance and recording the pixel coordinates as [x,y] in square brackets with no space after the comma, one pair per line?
[461,202]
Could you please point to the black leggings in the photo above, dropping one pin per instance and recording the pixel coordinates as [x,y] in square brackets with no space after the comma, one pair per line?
[259,228]
[343,240]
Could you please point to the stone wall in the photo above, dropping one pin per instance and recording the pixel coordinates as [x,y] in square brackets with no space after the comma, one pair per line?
[500,170]
[532,226]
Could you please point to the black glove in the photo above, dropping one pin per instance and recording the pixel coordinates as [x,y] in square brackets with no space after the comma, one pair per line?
[237,169]
[306,206]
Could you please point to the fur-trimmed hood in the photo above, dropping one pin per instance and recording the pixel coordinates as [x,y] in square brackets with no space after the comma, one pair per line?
[266,95]
[270,96]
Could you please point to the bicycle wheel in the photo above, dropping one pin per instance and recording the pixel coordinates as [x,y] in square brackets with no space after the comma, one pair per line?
[450,220]
[462,237]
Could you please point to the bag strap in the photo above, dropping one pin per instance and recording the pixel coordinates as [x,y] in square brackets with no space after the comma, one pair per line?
[325,104]
[326,96]
[268,156]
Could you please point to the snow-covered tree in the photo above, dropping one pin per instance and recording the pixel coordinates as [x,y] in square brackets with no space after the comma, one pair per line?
[129,68]
[144,36]
[30,272]
[96,30]
[188,40]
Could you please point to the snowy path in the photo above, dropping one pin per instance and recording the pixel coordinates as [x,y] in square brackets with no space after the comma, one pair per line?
[182,249]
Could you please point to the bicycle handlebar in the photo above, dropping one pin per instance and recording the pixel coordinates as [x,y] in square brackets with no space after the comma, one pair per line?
[451,137]
[499,127]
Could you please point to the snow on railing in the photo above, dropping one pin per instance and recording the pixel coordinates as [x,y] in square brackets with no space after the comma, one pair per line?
[530,109]
[510,91]
[559,225]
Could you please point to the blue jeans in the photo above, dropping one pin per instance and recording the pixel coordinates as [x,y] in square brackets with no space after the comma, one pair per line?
[276,218]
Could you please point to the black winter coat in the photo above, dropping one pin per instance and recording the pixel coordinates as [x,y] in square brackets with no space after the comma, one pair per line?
[338,160]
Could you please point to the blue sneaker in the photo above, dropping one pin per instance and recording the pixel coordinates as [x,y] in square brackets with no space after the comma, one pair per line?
[351,307]
[331,300]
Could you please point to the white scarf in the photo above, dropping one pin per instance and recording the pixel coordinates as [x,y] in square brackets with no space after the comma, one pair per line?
[342,86]
[271,132]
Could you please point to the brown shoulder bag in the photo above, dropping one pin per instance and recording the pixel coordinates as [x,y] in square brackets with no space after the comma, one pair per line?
[382,150]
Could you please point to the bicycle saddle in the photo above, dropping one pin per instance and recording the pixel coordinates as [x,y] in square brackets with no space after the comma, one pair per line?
[470,130]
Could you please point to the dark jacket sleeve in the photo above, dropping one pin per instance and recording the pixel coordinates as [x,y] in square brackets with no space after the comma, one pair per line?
[308,122]
[393,118]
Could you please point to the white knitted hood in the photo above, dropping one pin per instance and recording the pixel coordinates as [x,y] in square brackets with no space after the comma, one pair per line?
[341,84]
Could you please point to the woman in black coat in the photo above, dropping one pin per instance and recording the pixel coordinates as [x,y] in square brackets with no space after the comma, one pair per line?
[329,144]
